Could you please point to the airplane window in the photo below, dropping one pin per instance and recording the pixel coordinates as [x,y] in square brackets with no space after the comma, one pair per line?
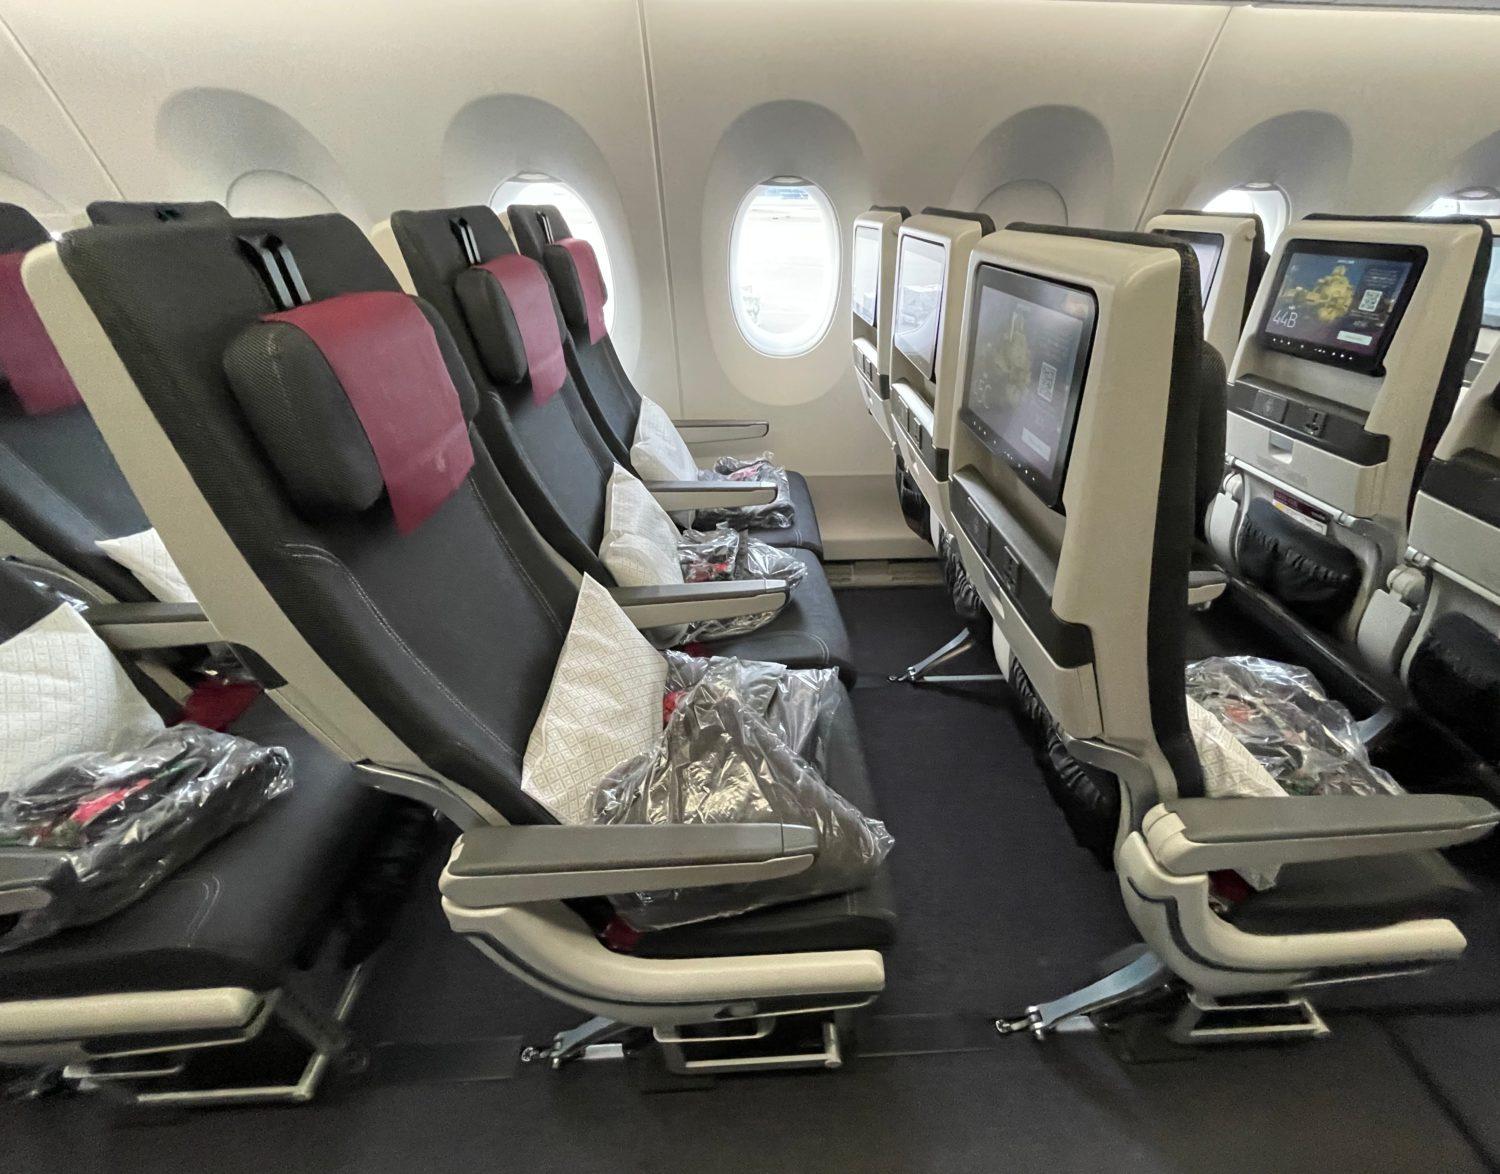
[1475,201]
[1265,200]
[784,266]
[533,188]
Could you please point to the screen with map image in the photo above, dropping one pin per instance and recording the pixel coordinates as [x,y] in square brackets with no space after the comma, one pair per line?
[921,266]
[1340,303]
[864,277]
[1029,343]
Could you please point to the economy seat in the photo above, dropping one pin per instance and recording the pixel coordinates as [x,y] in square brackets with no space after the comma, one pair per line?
[202,960]
[406,608]
[541,233]
[61,492]
[1082,545]
[547,448]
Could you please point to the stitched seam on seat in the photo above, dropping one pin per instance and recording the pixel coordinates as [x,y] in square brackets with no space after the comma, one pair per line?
[520,566]
[318,554]
[211,898]
[93,526]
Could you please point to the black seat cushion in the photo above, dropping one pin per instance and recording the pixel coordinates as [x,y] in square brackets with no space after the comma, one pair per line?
[1366,893]
[803,532]
[240,914]
[809,632]
[863,919]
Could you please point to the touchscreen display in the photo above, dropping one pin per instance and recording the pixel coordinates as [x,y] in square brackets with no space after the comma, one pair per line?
[1492,290]
[1029,343]
[1340,303]
[921,266]
[865,275]
[1208,246]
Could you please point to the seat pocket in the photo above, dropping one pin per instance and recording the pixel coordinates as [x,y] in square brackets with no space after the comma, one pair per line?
[1455,676]
[1312,574]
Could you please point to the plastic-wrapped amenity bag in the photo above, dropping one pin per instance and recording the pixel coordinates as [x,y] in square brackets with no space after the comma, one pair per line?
[724,553]
[1306,741]
[120,823]
[745,742]
[776,514]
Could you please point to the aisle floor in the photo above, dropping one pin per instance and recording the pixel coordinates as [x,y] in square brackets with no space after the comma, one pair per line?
[999,908]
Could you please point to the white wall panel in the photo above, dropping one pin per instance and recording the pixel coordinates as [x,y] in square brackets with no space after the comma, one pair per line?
[1353,110]
[284,106]
[938,102]
[45,164]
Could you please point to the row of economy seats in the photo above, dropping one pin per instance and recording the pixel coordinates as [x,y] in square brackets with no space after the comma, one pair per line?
[1148,448]
[388,477]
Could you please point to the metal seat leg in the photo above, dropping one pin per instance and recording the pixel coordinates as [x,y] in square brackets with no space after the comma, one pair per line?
[921,671]
[1144,976]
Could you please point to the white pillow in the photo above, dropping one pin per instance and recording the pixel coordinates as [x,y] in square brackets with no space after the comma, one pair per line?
[62,692]
[604,706]
[640,540]
[658,451]
[145,556]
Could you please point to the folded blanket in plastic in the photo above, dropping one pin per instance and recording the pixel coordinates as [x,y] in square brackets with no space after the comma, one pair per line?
[709,556]
[744,742]
[120,823]
[776,514]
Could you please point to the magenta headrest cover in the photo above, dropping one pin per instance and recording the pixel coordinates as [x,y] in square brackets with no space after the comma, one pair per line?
[529,294]
[383,353]
[28,360]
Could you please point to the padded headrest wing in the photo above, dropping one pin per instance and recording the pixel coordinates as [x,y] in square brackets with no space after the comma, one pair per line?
[573,267]
[29,362]
[507,302]
[354,396]
[150,212]
[20,230]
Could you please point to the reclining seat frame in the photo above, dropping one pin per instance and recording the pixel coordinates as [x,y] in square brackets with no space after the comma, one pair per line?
[1092,600]
[872,341]
[141,333]
[1339,444]
[919,401]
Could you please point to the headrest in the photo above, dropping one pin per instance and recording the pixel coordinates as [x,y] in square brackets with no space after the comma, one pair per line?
[356,395]
[507,303]
[574,269]
[29,362]
[116,212]
[535,226]
[20,230]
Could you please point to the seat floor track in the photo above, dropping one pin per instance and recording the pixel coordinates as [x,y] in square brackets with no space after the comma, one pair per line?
[999,908]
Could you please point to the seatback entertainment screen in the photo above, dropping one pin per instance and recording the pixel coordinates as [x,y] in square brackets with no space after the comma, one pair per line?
[921,267]
[1029,342]
[1340,303]
[864,277]
[1208,247]
[1491,317]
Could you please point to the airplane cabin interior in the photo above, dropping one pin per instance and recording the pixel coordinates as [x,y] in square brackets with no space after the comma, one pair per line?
[750,584]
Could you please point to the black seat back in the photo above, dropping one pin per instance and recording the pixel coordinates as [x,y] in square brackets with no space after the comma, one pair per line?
[450,632]
[60,489]
[154,212]
[607,390]
[551,453]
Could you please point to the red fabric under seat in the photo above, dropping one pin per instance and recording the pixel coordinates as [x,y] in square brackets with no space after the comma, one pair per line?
[530,296]
[28,360]
[382,349]
[590,281]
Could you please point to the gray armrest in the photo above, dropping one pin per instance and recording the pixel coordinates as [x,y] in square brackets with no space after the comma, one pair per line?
[711,495]
[1205,586]
[716,431]
[689,603]
[134,626]
[28,876]
[515,865]
[1192,836]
